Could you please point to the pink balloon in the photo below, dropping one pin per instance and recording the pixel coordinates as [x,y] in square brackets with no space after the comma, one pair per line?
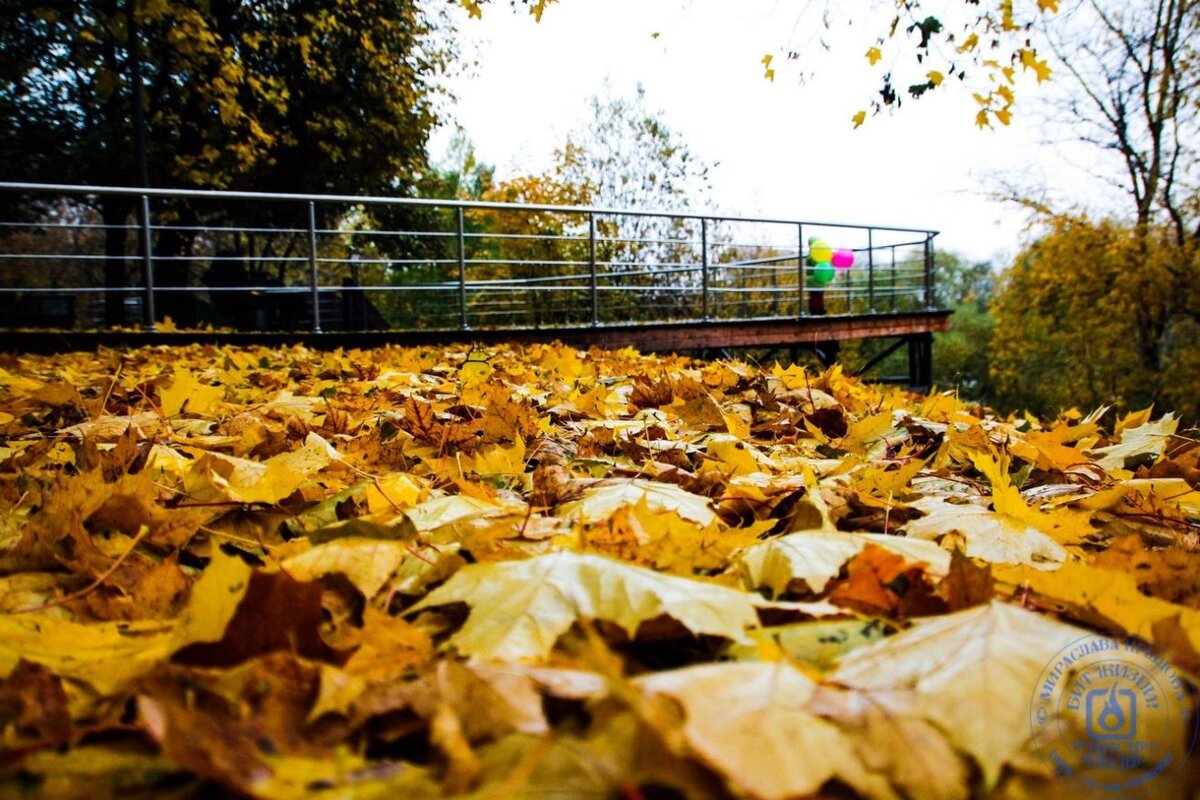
[843,259]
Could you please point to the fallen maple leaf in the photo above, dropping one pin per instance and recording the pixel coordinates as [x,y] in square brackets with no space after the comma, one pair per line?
[601,502]
[985,534]
[109,655]
[972,673]
[186,392]
[816,558]
[750,722]
[520,608]
[1146,440]
[215,477]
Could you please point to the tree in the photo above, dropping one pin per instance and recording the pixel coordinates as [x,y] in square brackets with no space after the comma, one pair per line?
[626,157]
[1133,72]
[290,95]
[1099,313]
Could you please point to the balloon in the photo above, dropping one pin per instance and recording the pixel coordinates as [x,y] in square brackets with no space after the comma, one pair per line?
[843,259]
[810,261]
[820,252]
[823,274]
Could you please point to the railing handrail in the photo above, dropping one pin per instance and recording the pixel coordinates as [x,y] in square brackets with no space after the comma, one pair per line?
[712,289]
[215,194]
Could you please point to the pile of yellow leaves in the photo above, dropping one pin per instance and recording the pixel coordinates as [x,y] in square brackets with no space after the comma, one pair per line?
[544,572]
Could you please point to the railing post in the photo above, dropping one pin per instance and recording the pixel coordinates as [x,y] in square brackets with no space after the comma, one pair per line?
[462,270]
[147,248]
[929,272]
[870,270]
[592,267]
[314,278]
[704,267]
[801,311]
[893,283]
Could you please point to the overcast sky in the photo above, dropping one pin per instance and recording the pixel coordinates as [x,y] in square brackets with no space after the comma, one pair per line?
[782,148]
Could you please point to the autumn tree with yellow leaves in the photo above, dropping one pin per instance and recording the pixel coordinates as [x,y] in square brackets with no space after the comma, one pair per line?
[1106,310]
[1099,313]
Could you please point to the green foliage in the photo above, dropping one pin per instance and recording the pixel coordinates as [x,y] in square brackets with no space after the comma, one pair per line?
[290,95]
[960,355]
[287,95]
[1100,313]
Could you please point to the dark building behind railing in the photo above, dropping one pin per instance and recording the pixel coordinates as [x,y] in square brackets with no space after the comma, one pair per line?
[274,262]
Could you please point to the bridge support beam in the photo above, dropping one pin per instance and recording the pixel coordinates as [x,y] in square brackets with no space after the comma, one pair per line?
[920,361]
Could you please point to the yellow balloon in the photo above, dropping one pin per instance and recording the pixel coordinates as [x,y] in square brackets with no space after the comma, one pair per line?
[820,251]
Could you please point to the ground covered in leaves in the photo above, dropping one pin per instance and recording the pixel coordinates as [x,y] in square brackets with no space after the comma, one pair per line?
[544,572]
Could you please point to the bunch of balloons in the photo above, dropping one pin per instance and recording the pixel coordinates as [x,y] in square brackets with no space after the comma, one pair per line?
[826,262]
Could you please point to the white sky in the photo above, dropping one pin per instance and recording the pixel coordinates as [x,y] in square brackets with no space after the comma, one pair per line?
[782,149]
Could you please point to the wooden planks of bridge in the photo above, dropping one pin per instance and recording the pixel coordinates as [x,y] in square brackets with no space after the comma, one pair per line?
[650,337]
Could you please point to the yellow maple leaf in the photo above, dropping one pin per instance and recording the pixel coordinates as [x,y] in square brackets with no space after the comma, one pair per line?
[187,392]
[873,55]
[768,73]
[859,118]
[747,719]
[1115,596]
[943,667]
[538,7]
[475,371]
[1029,60]
[218,477]
[936,77]
[1006,498]
[816,558]
[394,492]
[501,460]
[108,655]
[662,539]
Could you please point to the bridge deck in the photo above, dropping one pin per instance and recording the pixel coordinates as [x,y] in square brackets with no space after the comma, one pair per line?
[650,337]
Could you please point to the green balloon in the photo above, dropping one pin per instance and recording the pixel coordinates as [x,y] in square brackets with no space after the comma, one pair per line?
[810,261]
[823,274]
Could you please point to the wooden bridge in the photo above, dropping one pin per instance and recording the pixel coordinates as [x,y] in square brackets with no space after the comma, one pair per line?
[83,265]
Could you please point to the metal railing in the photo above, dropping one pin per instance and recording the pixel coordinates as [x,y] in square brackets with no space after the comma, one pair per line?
[89,257]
